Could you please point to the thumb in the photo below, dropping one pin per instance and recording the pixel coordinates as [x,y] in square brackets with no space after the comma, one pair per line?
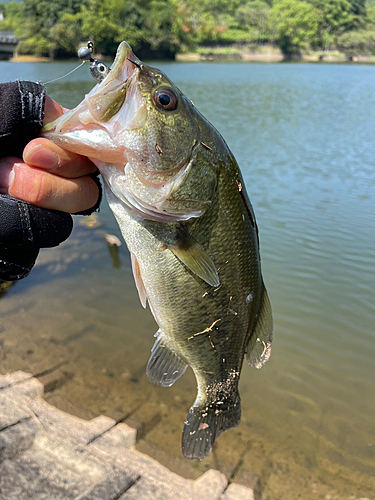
[52,110]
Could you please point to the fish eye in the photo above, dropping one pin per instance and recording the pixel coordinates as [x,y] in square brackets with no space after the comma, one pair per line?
[166,99]
[101,68]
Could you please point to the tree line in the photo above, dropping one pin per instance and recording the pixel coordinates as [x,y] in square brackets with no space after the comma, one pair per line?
[162,28]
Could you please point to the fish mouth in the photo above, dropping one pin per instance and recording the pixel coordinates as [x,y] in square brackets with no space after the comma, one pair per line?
[125,59]
[103,102]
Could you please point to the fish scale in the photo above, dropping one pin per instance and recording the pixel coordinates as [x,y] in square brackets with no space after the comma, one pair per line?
[179,199]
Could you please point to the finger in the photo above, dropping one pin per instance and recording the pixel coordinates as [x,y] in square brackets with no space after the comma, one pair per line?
[44,154]
[52,110]
[47,190]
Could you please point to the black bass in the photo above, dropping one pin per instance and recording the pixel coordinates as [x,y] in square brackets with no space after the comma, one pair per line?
[179,198]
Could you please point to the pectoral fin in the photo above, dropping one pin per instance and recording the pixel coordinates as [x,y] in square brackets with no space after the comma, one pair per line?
[259,346]
[194,257]
[138,281]
[164,366]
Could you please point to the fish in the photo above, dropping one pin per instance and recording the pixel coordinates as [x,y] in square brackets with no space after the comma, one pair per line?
[180,201]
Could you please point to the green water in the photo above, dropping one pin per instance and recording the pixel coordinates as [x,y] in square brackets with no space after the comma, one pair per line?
[304,138]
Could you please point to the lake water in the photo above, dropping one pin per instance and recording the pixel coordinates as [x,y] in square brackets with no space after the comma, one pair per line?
[304,138]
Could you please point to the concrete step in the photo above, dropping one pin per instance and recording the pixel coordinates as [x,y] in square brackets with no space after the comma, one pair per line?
[47,454]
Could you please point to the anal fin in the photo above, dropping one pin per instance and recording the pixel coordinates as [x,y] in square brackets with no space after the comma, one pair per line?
[195,258]
[259,346]
[164,366]
[138,281]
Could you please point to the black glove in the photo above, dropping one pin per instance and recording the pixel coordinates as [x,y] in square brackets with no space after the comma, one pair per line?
[21,115]
[24,228]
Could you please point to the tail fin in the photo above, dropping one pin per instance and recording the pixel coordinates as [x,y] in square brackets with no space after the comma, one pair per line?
[205,423]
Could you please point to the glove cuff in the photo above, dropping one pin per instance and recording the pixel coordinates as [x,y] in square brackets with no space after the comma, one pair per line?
[21,108]
[24,224]
[16,262]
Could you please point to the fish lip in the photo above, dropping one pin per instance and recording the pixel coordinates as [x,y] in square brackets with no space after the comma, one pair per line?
[125,57]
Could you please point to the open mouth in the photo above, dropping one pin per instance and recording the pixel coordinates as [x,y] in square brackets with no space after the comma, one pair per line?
[105,99]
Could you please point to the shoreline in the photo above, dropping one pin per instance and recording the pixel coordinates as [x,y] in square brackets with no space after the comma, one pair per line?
[30,59]
[272,56]
[262,56]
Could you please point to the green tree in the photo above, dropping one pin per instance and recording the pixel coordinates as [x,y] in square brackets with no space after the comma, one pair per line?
[111,21]
[337,15]
[164,27]
[353,42]
[294,24]
[13,18]
[337,18]
[147,25]
[209,20]
[34,44]
[371,16]
[358,7]
[65,36]
[254,13]
[218,8]
[39,31]
[253,17]
[359,13]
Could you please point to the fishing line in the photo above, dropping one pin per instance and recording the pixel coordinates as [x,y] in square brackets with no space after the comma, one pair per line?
[61,77]
[98,69]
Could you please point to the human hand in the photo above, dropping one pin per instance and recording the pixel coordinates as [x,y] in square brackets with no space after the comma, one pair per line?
[49,176]
[50,179]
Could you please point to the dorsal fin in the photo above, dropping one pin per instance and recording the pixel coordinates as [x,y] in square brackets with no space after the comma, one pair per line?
[259,346]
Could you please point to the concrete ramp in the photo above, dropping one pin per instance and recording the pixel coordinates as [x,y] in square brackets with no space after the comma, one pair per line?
[46,454]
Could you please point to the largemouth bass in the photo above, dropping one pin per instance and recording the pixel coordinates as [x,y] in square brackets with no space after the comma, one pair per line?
[180,201]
